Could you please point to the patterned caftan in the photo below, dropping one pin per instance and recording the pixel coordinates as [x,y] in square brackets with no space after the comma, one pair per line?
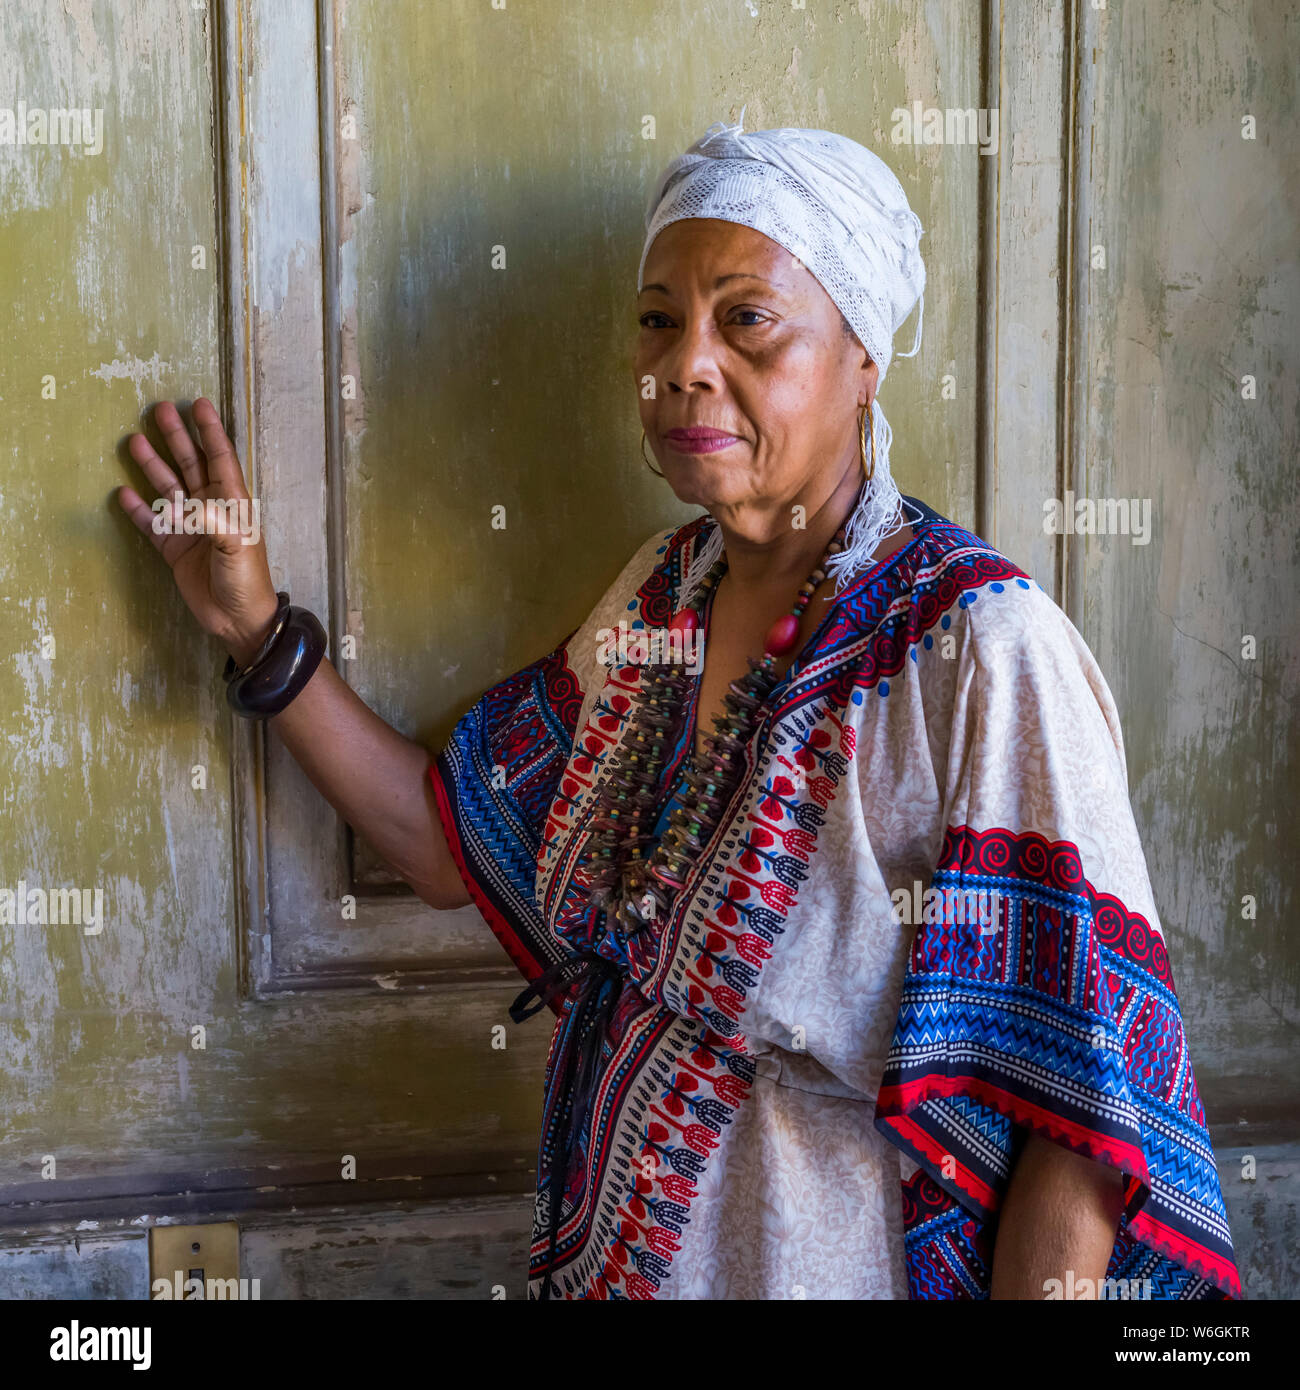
[813,1079]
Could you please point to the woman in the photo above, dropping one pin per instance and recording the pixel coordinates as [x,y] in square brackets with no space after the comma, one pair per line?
[859,986]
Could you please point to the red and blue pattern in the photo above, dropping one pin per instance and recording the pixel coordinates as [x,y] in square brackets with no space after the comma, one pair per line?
[1063,1021]
[494,783]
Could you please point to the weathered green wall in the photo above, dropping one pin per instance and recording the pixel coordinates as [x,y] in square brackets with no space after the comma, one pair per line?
[96,1066]
[1199,291]
[100,738]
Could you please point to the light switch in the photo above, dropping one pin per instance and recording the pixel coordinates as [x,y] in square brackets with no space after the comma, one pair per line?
[195,1262]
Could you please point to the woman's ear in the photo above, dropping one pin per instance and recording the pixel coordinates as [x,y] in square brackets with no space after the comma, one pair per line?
[870,377]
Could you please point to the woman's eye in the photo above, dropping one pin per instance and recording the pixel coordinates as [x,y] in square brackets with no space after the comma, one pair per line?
[654,319]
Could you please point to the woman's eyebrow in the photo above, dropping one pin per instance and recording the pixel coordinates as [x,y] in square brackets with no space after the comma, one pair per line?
[722,280]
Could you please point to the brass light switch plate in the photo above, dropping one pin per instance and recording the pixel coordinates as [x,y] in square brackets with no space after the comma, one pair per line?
[195,1262]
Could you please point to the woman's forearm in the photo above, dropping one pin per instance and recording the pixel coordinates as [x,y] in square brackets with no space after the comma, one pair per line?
[1060,1214]
[376,779]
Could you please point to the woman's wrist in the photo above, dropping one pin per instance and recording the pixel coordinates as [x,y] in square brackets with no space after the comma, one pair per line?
[244,645]
[277,672]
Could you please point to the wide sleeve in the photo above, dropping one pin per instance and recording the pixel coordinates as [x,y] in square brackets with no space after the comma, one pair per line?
[1040,998]
[495,781]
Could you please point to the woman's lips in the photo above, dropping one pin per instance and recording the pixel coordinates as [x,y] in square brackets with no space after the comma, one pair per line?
[699,440]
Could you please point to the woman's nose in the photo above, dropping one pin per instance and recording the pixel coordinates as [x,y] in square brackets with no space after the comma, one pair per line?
[691,360]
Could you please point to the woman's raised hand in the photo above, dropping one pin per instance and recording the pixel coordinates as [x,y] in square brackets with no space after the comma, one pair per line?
[373,776]
[221,571]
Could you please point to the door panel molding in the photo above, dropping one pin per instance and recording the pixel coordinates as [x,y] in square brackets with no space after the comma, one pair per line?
[279,179]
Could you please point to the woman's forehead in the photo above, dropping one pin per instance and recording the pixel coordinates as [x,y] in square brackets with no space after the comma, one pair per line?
[707,247]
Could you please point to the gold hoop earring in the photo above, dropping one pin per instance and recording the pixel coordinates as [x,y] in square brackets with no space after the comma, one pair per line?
[867,414]
[646,461]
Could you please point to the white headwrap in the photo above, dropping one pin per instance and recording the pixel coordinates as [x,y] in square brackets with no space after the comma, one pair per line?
[840,210]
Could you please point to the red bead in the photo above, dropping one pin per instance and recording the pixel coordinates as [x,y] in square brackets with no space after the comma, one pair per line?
[783,635]
[685,621]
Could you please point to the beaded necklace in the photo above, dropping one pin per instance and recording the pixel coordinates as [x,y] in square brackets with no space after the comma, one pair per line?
[635,876]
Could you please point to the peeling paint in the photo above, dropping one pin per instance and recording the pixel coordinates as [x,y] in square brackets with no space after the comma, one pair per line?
[134,370]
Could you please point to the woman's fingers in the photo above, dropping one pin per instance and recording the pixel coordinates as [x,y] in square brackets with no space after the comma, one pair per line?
[164,482]
[223,466]
[188,459]
[213,470]
[142,514]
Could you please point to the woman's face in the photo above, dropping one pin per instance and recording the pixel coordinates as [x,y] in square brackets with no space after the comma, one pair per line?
[740,337]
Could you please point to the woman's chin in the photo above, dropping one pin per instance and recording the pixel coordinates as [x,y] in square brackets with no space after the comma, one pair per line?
[702,481]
